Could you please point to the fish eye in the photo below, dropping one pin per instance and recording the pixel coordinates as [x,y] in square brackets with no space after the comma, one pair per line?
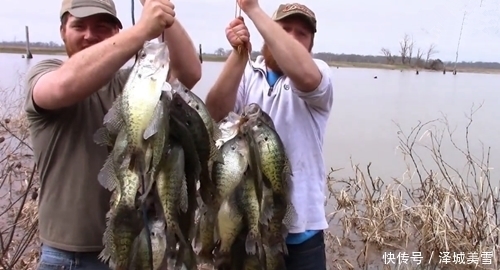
[188,123]
[266,138]
[197,107]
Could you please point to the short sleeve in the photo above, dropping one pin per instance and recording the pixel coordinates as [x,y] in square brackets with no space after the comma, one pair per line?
[34,74]
[322,97]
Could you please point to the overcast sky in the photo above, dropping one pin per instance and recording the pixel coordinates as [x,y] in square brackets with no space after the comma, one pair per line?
[344,26]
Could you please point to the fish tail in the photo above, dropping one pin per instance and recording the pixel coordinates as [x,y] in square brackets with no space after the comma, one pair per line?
[252,241]
[277,241]
[206,256]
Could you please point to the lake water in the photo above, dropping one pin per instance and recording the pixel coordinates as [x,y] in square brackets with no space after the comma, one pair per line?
[362,125]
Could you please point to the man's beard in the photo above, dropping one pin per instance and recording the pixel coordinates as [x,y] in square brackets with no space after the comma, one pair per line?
[70,50]
[269,60]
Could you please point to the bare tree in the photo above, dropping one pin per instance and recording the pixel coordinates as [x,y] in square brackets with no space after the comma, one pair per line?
[388,55]
[430,52]
[410,51]
[404,46]
[418,58]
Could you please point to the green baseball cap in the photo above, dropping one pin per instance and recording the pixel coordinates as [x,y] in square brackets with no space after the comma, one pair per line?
[85,8]
[286,10]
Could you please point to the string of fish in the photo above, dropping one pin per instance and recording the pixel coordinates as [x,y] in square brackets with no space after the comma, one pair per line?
[143,205]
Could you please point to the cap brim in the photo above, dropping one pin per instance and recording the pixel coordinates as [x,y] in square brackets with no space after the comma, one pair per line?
[82,12]
[295,13]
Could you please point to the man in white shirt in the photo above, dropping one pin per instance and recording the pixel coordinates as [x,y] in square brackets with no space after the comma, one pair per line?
[297,92]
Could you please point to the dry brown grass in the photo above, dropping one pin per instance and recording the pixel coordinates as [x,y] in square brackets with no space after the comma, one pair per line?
[18,186]
[450,211]
[443,209]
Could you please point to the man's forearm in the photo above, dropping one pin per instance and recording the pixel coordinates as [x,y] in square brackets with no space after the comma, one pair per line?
[184,61]
[222,96]
[292,57]
[88,70]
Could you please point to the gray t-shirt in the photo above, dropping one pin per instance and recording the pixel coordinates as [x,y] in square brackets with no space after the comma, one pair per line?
[73,204]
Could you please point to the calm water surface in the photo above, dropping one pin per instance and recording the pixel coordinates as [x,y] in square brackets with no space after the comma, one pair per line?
[362,125]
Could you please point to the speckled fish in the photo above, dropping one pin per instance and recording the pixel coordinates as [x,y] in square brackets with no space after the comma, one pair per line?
[276,170]
[196,103]
[251,262]
[229,127]
[229,224]
[169,185]
[192,168]
[192,120]
[140,257]
[228,175]
[274,260]
[137,108]
[249,206]
[205,233]
[123,224]
[253,110]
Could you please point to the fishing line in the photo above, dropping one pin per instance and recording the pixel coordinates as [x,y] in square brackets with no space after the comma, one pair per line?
[143,204]
[237,13]
[133,23]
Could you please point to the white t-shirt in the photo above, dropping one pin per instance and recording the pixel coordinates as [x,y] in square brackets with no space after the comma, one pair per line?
[300,119]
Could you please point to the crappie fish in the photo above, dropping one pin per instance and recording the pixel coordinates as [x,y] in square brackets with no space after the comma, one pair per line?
[205,233]
[196,103]
[124,223]
[135,109]
[249,206]
[229,225]
[169,184]
[229,127]
[192,168]
[229,174]
[190,117]
[140,257]
[253,110]
[276,171]
[274,260]
[251,262]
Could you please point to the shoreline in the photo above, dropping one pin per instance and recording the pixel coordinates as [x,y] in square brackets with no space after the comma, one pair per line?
[216,58]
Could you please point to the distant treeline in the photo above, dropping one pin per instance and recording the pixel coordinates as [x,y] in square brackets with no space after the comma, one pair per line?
[325,56]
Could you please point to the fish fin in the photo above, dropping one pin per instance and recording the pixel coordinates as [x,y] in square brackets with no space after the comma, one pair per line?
[156,121]
[253,241]
[280,247]
[183,199]
[215,153]
[217,133]
[103,137]
[107,239]
[107,175]
[113,119]
[197,234]
[149,183]
[171,240]
[287,169]
[290,215]
[191,262]
[267,207]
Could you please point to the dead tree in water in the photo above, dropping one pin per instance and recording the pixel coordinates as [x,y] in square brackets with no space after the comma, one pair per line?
[29,55]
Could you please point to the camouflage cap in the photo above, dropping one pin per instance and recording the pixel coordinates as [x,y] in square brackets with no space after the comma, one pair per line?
[285,10]
[85,8]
